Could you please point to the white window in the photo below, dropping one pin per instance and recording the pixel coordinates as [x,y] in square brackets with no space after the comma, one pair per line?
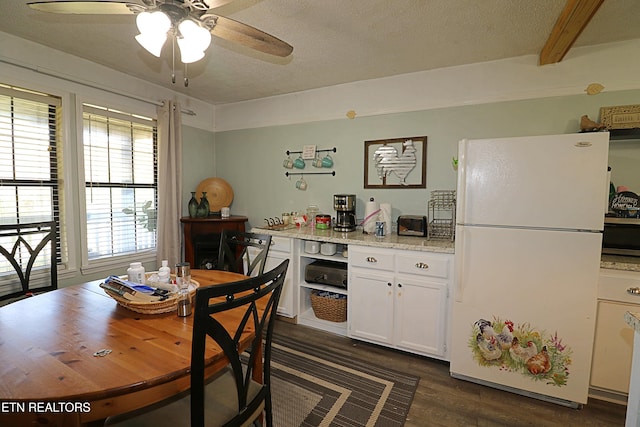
[120,167]
[29,170]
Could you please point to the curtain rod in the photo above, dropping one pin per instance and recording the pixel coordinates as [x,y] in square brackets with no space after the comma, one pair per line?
[90,85]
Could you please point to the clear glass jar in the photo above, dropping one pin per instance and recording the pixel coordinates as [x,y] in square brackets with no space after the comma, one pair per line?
[312,211]
[183,280]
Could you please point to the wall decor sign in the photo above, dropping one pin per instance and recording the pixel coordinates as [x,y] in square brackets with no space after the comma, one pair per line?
[620,117]
[309,152]
[396,163]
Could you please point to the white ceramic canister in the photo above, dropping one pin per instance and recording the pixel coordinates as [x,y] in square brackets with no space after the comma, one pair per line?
[328,248]
[311,247]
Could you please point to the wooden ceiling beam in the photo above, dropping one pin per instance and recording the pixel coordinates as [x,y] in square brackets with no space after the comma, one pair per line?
[572,20]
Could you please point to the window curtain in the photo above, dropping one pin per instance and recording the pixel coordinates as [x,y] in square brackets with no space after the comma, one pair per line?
[169,183]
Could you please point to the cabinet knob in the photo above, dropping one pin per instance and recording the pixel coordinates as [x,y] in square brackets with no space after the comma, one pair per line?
[399,285]
[371,259]
[634,291]
[422,265]
[389,284]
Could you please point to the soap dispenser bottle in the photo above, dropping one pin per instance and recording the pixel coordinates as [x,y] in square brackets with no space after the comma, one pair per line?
[164,272]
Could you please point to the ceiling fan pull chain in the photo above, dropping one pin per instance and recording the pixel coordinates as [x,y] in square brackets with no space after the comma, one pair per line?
[173,59]
[186,78]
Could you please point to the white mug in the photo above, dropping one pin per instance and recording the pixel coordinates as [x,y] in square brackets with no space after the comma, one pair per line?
[301,184]
[225,212]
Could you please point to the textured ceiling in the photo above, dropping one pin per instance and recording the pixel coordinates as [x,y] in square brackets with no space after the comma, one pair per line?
[335,41]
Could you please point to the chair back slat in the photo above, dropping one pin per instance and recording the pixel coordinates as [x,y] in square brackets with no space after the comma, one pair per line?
[237,249]
[240,295]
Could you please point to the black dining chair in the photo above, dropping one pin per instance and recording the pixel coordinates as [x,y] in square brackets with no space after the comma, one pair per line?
[243,252]
[28,259]
[233,398]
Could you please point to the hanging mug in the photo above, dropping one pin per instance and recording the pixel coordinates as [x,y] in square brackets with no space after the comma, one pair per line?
[317,162]
[327,162]
[301,184]
[288,163]
[299,163]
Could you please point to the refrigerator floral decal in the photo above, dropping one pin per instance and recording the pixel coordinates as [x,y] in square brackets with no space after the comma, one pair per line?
[521,348]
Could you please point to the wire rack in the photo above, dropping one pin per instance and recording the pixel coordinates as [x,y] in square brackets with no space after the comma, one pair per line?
[442,215]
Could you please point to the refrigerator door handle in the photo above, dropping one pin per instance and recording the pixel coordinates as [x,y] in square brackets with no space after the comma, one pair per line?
[461,194]
[459,264]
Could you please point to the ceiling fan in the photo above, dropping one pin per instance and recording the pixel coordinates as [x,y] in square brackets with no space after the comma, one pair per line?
[189,23]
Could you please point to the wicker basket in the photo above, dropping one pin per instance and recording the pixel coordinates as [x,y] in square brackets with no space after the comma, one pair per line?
[157,307]
[328,308]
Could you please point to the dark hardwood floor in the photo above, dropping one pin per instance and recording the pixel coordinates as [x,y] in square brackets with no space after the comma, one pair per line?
[441,400]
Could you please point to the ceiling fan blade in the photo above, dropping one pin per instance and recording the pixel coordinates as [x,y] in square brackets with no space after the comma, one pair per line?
[216,3]
[246,35]
[86,7]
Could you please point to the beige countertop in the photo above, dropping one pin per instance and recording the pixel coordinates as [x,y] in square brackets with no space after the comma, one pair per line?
[613,262]
[616,262]
[359,238]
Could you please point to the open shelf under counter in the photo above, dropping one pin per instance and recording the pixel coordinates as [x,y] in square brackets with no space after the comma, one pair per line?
[337,257]
[307,317]
[321,287]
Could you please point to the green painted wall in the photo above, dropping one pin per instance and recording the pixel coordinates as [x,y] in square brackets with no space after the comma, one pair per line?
[251,160]
[197,161]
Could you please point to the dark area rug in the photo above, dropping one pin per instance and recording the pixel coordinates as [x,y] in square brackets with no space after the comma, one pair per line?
[313,386]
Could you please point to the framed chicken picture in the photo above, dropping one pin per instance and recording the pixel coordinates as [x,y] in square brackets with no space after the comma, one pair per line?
[396,163]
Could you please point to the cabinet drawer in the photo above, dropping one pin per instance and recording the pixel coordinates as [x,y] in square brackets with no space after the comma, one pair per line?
[619,286]
[280,244]
[370,258]
[423,264]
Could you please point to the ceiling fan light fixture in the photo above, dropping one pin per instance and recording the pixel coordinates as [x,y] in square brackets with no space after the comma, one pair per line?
[153,31]
[192,40]
[194,34]
[152,42]
[189,53]
[153,23]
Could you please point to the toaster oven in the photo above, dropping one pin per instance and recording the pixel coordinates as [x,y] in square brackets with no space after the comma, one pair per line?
[412,225]
[332,273]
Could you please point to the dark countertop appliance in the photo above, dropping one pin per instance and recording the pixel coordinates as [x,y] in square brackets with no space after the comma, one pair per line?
[621,236]
[345,206]
[327,273]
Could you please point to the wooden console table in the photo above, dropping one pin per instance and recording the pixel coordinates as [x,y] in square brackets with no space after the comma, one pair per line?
[195,227]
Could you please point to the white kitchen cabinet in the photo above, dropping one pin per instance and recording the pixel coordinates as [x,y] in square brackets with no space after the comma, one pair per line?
[370,305]
[281,249]
[400,299]
[421,313]
[613,346]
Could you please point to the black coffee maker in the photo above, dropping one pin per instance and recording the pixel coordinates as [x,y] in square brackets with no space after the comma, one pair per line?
[345,206]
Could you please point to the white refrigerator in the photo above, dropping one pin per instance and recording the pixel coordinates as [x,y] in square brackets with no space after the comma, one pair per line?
[529,216]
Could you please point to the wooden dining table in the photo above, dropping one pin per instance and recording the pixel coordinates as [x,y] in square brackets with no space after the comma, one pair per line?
[74,356]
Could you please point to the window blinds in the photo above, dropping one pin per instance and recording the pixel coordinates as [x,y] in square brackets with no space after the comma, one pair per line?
[120,163]
[29,169]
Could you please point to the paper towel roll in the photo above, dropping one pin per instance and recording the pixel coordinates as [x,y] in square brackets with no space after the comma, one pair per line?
[371,212]
[385,214]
